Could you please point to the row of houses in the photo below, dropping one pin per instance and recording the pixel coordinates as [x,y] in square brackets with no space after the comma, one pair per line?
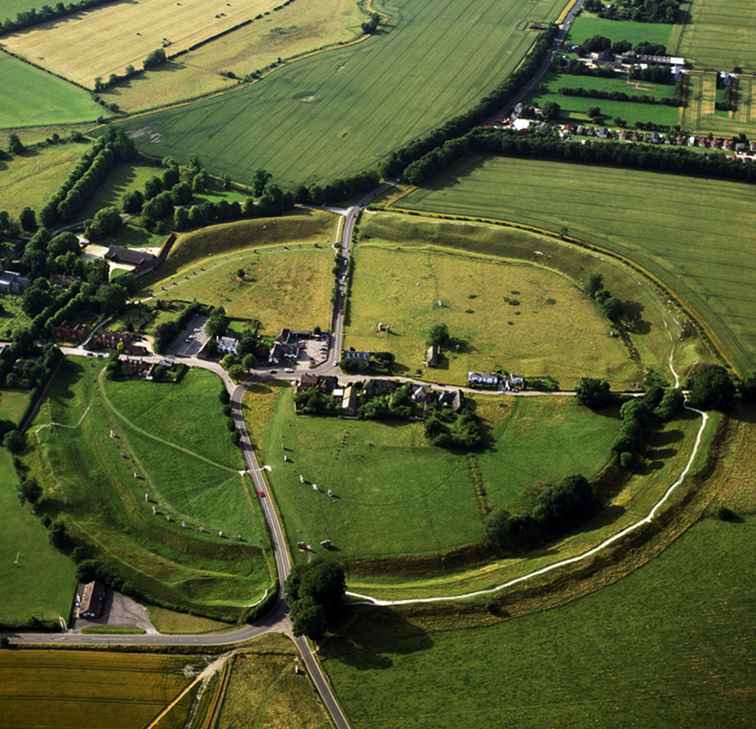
[495,381]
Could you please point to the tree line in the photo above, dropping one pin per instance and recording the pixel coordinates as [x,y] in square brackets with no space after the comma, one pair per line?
[546,145]
[646,11]
[619,96]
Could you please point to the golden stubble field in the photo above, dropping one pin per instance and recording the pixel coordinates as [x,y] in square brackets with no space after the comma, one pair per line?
[106,40]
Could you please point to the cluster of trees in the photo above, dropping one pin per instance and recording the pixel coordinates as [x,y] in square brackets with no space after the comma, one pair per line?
[730,102]
[105,222]
[311,401]
[396,405]
[647,11]
[619,96]
[600,44]
[155,58]
[379,363]
[338,190]
[712,388]
[315,593]
[462,430]
[87,177]
[43,255]
[35,16]
[166,332]
[547,145]
[558,508]
[620,313]
[400,160]
[652,73]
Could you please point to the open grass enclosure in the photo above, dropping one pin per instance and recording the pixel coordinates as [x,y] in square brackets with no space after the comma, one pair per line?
[30,179]
[113,690]
[124,178]
[509,316]
[298,28]
[264,691]
[101,445]
[695,235]
[38,581]
[32,97]
[13,404]
[587,25]
[494,245]
[341,112]
[669,645]
[719,36]
[126,33]
[395,495]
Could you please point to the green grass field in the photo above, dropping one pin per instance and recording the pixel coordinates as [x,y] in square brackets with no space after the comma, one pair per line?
[115,690]
[719,36]
[33,97]
[396,496]
[587,25]
[29,180]
[667,646]
[512,316]
[13,404]
[11,8]
[695,235]
[124,178]
[171,442]
[342,112]
[291,31]
[38,581]
[264,691]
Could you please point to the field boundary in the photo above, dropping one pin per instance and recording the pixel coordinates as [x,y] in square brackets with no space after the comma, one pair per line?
[702,328]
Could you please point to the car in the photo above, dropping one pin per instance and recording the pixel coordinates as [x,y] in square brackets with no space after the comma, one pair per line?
[289,370]
[274,372]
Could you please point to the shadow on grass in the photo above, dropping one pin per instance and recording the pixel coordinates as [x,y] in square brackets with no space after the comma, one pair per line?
[373,637]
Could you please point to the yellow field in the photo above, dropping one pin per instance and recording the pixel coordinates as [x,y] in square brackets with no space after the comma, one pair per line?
[33,178]
[516,317]
[298,28]
[126,33]
[64,689]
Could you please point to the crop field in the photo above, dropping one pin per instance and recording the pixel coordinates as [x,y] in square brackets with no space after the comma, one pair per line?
[587,25]
[341,112]
[32,178]
[38,581]
[495,243]
[719,36]
[92,431]
[264,691]
[514,317]
[397,496]
[700,114]
[113,690]
[126,33]
[697,236]
[32,97]
[298,28]
[280,287]
[684,619]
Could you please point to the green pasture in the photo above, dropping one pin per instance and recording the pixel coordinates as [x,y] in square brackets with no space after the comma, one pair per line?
[395,495]
[38,581]
[13,404]
[32,97]
[11,8]
[669,645]
[587,25]
[341,112]
[124,178]
[100,445]
[696,235]
[719,36]
[555,81]
[510,316]
[30,179]
[494,244]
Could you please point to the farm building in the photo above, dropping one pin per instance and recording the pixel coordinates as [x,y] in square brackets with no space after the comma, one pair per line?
[351,356]
[288,345]
[129,256]
[12,282]
[92,600]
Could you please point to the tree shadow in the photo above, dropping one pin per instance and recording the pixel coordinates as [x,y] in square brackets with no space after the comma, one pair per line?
[369,641]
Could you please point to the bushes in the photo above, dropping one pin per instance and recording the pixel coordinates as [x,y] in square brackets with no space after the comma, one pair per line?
[105,222]
[315,593]
[711,388]
[155,58]
[462,430]
[594,393]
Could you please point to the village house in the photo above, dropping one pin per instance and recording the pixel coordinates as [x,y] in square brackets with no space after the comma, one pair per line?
[13,283]
[351,356]
[432,356]
[450,399]
[227,345]
[288,346]
[323,383]
[482,381]
[92,600]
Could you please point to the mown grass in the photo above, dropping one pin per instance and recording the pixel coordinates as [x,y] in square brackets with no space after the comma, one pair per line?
[291,31]
[11,8]
[696,235]
[342,112]
[720,34]
[30,179]
[264,691]
[13,404]
[587,25]
[38,581]
[125,35]
[124,178]
[651,340]
[280,287]
[32,97]
[96,484]
[170,622]
[395,495]
[115,690]
[668,645]
[511,316]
